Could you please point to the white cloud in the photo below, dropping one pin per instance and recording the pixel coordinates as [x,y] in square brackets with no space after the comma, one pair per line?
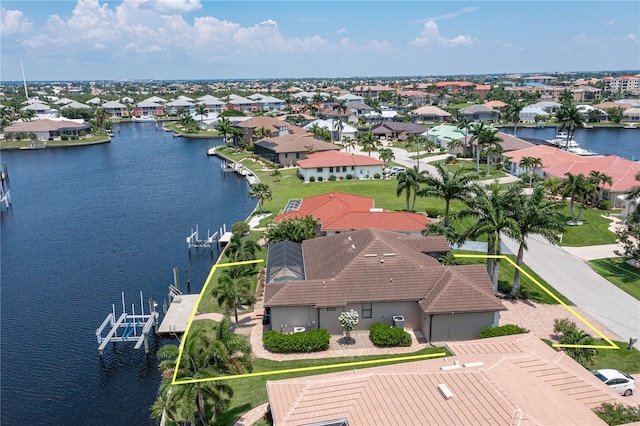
[583,40]
[431,35]
[633,38]
[610,23]
[13,22]
[379,46]
[171,6]
[341,30]
[447,16]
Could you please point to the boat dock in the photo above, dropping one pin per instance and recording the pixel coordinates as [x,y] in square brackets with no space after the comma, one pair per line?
[5,192]
[230,165]
[177,318]
[217,238]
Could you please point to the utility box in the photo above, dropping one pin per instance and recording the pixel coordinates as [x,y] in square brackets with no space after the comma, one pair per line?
[398,321]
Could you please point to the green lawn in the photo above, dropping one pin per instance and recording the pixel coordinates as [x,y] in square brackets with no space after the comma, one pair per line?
[470,166]
[505,279]
[619,273]
[593,231]
[13,144]
[622,359]
[252,391]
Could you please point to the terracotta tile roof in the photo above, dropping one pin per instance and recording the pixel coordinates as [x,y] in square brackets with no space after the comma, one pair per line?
[296,143]
[377,266]
[389,221]
[495,104]
[46,125]
[431,110]
[520,381]
[621,170]
[270,123]
[325,207]
[550,156]
[337,158]
[453,83]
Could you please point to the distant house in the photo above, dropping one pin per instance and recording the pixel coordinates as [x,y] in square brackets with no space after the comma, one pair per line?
[174,106]
[288,149]
[38,108]
[268,103]
[148,107]
[631,115]
[397,130]
[275,127]
[213,104]
[496,104]
[332,126]
[238,103]
[501,381]
[528,114]
[480,113]
[428,114]
[339,164]
[338,212]
[75,105]
[371,91]
[443,134]
[46,128]
[548,155]
[382,275]
[116,109]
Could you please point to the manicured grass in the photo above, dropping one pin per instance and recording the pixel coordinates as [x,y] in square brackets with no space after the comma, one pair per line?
[619,273]
[505,280]
[5,144]
[623,359]
[593,231]
[252,391]
[470,166]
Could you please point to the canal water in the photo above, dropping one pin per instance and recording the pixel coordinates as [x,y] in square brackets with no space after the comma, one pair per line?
[86,224]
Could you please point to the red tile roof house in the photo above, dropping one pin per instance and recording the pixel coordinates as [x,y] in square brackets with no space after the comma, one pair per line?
[397,130]
[339,164]
[381,275]
[275,126]
[511,380]
[548,155]
[338,212]
[288,149]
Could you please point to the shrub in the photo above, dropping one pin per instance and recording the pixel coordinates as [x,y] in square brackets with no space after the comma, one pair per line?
[340,177]
[432,212]
[320,179]
[307,341]
[74,137]
[240,228]
[332,178]
[382,334]
[249,148]
[64,137]
[349,177]
[50,138]
[312,178]
[376,176]
[503,330]
[604,205]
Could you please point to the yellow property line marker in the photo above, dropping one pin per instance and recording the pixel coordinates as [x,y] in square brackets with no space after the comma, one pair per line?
[567,307]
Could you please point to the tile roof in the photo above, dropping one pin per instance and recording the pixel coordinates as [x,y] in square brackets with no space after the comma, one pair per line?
[512,143]
[395,126]
[388,221]
[520,380]
[495,104]
[621,170]
[550,156]
[46,125]
[474,109]
[431,110]
[296,143]
[271,124]
[337,159]
[327,206]
[380,266]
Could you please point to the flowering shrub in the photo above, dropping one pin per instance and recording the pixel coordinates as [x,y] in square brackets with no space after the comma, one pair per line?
[348,321]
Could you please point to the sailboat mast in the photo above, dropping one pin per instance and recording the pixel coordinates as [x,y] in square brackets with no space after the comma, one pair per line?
[24,81]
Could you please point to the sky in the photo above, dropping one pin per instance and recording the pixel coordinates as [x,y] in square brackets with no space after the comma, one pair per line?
[209,40]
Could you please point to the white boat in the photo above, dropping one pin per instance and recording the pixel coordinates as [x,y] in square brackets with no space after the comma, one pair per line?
[581,151]
[144,119]
[560,140]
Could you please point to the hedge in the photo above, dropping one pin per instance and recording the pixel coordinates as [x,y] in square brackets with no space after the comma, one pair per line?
[382,334]
[503,330]
[307,341]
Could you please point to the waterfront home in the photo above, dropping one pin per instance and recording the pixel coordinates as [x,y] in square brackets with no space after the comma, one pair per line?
[289,148]
[275,127]
[548,155]
[212,103]
[509,380]
[268,103]
[172,107]
[381,275]
[529,114]
[428,114]
[397,130]
[38,108]
[443,134]
[238,103]
[116,109]
[480,113]
[631,115]
[332,126]
[75,105]
[148,108]
[338,212]
[496,104]
[323,165]
[49,128]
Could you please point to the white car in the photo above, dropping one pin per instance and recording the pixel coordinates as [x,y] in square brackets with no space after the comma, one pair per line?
[620,382]
[395,170]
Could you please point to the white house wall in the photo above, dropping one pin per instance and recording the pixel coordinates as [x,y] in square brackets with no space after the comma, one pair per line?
[357,172]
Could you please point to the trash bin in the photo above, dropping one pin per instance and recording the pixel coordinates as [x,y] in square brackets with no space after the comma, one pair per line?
[398,321]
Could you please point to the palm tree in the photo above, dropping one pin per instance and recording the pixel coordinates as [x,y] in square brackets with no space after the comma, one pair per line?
[464,124]
[530,164]
[566,98]
[224,126]
[553,185]
[386,155]
[454,144]
[262,132]
[535,215]
[316,130]
[570,119]
[477,130]
[341,108]
[348,143]
[573,187]
[368,141]
[101,117]
[448,185]
[491,205]
[201,110]
[490,139]
[512,112]
[234,287]
[409,183]
[241,249]
[262,192]
[600,179]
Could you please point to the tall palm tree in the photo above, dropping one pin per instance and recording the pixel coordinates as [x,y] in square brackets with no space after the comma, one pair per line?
[341,108]
[530,164]
[535,214]
[448,185]
[573,187]
[386,155]
[224,126]
[491,141]
[570,119]
[600,179]
[368,141]
[409,183]
[512,112]
[348,143]
[262,192]
[234,287]
[491,205]
[241,249]
[201,110]
[477,130]
[464,124]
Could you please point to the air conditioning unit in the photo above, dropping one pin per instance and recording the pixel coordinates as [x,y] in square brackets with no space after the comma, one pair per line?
[398,321]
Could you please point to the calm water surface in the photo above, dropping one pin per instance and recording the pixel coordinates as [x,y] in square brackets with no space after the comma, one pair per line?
[86,224]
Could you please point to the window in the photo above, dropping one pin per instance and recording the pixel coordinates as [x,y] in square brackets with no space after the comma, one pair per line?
[353,167]
[319,169]
[331,309]
[367,310]
[297,155]
[330,169]
[286,155]
[344,168]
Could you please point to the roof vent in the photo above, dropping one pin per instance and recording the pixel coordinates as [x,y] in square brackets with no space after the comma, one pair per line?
[388,254]
[371,255]
[446,392]
[349,238]
[353,247]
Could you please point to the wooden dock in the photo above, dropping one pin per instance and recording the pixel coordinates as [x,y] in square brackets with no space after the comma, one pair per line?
[177,318]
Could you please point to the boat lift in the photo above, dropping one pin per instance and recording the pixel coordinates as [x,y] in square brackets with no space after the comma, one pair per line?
[128,327]
[5,192]
[194,240]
